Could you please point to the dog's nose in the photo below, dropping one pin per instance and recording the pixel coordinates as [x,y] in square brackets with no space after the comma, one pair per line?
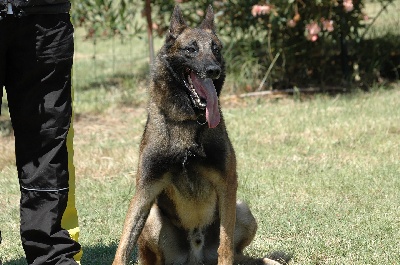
[213,71]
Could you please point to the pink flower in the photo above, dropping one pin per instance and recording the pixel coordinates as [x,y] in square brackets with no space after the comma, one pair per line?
[312,37]
[258,10]
[313,30]
[327,24]
[348,5]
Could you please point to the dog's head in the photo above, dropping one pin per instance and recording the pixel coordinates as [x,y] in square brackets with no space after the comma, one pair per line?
[193,55]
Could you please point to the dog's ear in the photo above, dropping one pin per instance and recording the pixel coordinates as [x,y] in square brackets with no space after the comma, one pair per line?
[177,24]
[208,22]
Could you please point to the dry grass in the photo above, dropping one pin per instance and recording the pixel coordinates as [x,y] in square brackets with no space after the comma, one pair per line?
[106,140]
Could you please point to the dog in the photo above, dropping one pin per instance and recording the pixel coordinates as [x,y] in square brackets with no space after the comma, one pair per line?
[184,210]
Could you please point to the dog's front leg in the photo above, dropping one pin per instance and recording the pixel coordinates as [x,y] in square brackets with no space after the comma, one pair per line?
[134,222]
[227,210]
[136,217]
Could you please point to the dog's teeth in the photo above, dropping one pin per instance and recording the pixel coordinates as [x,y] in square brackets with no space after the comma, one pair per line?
[190,80]
[194,96]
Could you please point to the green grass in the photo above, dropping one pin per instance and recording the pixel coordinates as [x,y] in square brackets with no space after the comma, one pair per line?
[321,177]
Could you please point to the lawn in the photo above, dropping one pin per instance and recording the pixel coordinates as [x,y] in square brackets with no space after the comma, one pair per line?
[321,176]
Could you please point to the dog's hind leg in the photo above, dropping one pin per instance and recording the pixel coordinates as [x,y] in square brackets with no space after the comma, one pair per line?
[245,230]
[150,252]
[161,242]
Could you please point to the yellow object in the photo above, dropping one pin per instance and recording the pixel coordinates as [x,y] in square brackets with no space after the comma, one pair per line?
[69,220]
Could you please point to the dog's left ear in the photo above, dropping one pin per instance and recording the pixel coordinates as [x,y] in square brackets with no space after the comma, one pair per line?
[208,22]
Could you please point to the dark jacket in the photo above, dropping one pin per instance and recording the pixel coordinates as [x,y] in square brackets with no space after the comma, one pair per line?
[26,7]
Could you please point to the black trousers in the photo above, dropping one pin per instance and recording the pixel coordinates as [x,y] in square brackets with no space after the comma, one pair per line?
[36,53]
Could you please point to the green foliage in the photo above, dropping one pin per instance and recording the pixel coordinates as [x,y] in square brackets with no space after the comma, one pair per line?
[106,17]
[316,41]
[322,42]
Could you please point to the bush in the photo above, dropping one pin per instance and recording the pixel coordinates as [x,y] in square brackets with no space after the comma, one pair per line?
[307,42]
[106,17]
[276,43]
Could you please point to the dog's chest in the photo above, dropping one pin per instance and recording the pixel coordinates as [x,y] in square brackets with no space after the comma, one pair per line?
[193,198]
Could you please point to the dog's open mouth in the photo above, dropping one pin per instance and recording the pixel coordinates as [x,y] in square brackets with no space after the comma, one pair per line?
[204,96]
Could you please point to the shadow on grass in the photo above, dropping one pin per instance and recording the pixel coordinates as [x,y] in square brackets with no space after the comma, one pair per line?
[92,255]
[104,255]
[108,82]
[99,254]
[114,80]
[20,261]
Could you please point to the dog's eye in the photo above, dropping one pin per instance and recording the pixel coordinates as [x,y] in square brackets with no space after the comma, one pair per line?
[215,48]
[190,49]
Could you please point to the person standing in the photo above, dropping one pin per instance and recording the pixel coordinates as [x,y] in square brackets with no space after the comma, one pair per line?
[36,55]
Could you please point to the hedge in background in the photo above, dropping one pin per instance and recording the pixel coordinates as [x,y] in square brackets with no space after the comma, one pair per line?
[277,43]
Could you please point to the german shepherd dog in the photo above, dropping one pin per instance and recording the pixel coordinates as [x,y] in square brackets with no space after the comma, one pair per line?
[184,210]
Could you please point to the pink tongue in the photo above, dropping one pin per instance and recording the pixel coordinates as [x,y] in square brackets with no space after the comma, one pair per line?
[205,89]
